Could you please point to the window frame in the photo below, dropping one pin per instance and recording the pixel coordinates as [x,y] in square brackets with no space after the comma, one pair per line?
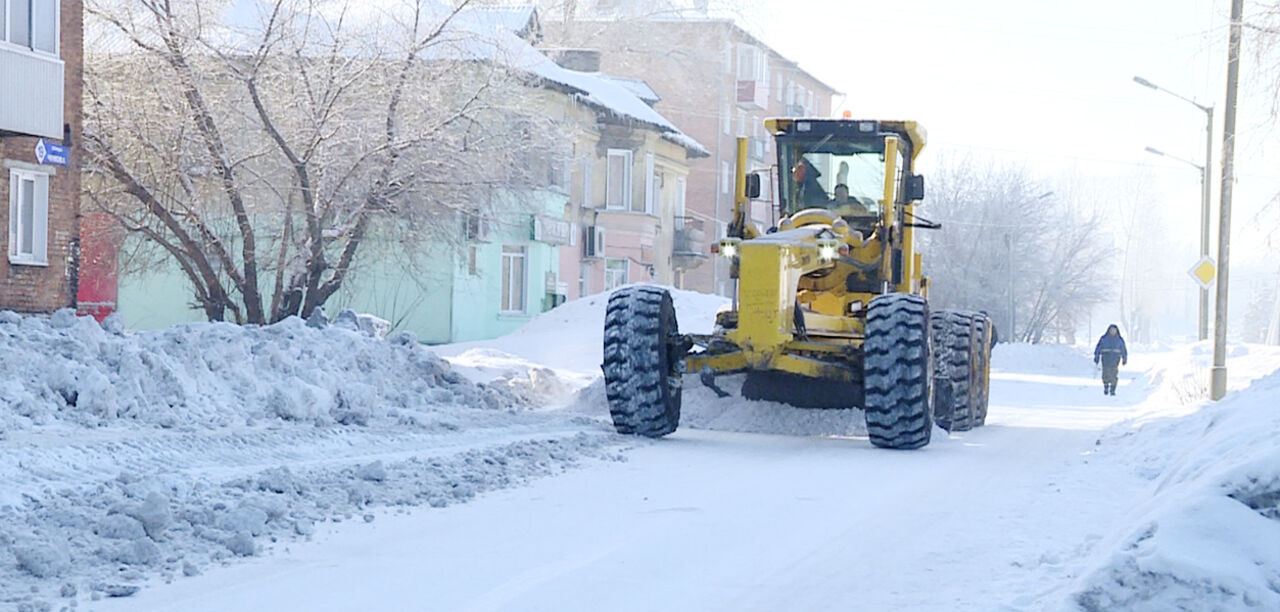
[682,184]
[652,186]
[628,160]
[510,254]
[39,255]
[588,163]
[30,47]
[584,278]
[611,274]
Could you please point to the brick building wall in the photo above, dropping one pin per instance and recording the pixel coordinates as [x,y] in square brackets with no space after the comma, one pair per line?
[30,288]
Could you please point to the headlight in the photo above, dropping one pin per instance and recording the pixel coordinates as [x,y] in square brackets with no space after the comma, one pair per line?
[729,247]
[828,250]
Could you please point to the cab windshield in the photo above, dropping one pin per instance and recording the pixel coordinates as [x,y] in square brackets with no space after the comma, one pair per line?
[844,177]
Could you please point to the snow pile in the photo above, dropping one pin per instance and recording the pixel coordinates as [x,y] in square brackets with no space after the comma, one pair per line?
[703,409]
[568,341]
[554,360]
[1208,536]
[69,370]
[1057,358]
[131,457]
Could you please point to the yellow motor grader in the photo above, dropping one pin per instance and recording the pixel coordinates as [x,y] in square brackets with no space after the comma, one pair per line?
[830,308]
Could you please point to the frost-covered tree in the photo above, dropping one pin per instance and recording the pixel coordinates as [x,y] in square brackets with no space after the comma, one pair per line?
[1011,247]
[259,145]
[1257,317]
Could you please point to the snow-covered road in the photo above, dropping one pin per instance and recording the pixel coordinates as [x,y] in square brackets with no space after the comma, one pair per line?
[514,494]
[713,520]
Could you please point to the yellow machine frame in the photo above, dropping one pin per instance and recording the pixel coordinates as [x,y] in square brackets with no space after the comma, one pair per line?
[771,272]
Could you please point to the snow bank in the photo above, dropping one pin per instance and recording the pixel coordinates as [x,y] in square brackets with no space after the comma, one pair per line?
[1208,535]
[129,457]
[69,370]
[567,340]
[703,409]
[554,360]
[1058,358]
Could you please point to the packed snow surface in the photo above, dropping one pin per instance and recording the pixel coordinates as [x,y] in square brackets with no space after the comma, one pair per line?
[1154,499]
[126,457]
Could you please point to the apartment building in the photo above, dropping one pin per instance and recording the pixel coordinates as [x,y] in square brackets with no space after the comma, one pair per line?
[40,109]
[717,82]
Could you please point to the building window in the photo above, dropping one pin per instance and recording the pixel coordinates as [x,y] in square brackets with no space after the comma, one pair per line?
[616,273]
[558,172]
[725,174]
[681,184]
[777,85]
[30,23]
[652,186]
[587,163]
[513,279]
[618,180]
[584,279]
[28,217]
[751,64]
[726,120]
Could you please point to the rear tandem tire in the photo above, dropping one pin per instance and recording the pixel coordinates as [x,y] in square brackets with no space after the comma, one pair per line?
[955,361]
[898,372]
[641,379]
[983,330]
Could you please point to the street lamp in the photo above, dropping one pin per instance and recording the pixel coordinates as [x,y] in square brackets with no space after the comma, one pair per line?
[1204,190]
[1155,151]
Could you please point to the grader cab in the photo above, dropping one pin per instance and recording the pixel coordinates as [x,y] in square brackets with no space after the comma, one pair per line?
[830,309]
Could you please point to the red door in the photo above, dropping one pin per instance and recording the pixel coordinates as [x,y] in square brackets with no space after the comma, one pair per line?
[99,248]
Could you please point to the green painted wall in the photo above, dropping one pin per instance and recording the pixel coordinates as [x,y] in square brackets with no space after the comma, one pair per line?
[160,297]
[428,290]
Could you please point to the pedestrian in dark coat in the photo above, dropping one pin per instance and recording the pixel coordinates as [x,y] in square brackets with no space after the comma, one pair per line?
[1112,353]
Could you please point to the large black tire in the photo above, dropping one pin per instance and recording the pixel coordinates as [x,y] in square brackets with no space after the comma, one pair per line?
[983,330]
[955,361]
[898,372]
[641,377]
[943,402]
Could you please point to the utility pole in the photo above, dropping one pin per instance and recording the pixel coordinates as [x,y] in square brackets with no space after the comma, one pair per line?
[1218,385]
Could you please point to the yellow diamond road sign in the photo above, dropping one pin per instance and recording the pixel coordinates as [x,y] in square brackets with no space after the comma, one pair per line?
[1203,272]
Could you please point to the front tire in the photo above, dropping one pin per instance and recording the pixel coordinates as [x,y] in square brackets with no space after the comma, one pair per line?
[898,372]
[641,377]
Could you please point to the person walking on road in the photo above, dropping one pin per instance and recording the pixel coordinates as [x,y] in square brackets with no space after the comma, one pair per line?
[1112,354]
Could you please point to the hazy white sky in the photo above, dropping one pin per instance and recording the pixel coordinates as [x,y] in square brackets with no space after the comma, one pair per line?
[1050,84]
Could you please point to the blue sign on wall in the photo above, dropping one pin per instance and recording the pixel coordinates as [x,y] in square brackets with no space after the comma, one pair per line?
[52,154]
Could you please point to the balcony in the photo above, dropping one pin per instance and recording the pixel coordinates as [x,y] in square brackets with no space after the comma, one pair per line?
[689,248]
[753,94]
[30,93]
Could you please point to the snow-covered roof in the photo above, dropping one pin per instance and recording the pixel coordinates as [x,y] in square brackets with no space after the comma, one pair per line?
[638,87]
[519,20]
[470,38]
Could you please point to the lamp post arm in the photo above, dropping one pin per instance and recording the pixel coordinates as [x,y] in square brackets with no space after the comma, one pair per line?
[1207,109]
